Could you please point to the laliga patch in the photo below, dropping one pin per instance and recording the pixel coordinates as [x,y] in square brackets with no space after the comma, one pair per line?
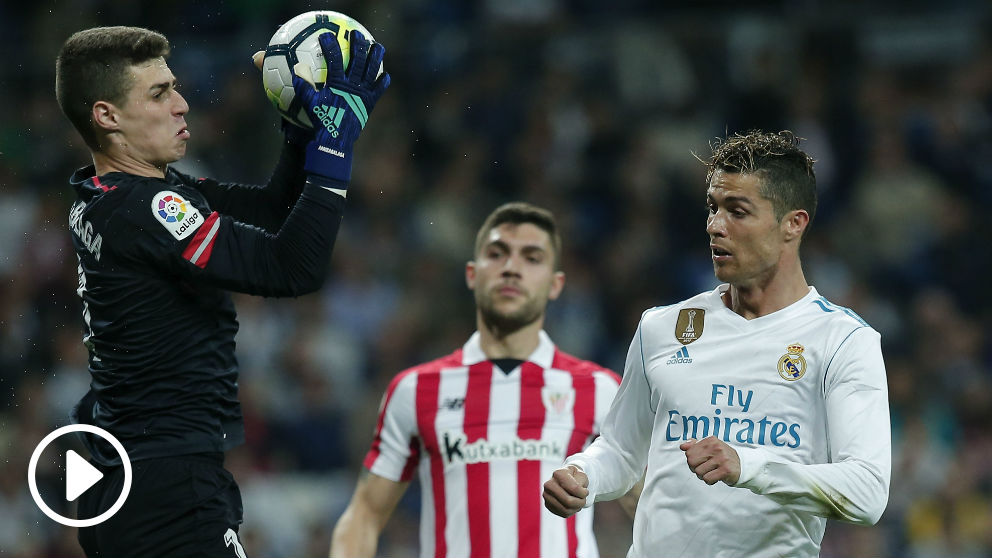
[689,326]
[176,214]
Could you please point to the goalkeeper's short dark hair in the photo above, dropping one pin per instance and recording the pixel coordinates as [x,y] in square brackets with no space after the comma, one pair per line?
[94,65]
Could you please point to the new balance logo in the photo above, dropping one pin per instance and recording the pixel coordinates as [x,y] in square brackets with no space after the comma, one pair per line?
[453,403]
[330,117]
[681,357]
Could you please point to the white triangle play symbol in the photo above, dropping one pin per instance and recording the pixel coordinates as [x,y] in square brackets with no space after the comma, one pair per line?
[79,475]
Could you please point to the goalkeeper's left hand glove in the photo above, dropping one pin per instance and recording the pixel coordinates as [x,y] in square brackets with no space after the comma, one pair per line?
[340,109]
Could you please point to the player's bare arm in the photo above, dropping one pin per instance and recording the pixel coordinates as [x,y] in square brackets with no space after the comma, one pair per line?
[356,534]
[712,460]
[629,500]
[565,494]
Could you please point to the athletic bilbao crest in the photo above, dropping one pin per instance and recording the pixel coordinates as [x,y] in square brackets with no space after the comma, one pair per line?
[689,326]
[557,401]
[792,365]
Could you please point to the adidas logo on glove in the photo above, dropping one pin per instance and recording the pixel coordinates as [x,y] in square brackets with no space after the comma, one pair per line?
[330,117]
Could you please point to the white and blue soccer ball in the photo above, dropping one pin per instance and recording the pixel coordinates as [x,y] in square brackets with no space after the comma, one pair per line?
[294,49]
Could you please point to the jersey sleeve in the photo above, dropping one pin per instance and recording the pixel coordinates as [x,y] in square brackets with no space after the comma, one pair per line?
[177,233]
[395,447]
[615,461]
[264,206]
[854,486]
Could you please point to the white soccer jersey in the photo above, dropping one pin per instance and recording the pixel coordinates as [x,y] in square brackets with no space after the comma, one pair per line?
[799,393]
[485,441]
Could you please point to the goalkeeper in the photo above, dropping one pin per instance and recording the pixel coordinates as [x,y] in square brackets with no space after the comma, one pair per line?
[158,252]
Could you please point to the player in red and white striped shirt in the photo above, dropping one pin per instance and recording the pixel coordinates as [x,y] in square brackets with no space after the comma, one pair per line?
[486,424]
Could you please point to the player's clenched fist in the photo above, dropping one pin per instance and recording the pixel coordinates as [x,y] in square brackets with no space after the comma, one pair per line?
[712,460]
[566,492]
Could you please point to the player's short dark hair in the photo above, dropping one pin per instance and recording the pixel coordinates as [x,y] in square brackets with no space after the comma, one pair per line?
[94,65]
[785,171]
[518,213]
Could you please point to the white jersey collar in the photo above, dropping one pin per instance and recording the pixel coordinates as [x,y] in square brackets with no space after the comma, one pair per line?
[542,356]
[717,300]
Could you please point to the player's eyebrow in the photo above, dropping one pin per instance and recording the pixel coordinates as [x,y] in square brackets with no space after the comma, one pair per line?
[742,200]
[498,244]
[526,249]
[738,199]
[163,86]
[533,249]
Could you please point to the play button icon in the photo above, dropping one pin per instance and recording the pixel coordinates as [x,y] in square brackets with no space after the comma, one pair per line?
[80,476]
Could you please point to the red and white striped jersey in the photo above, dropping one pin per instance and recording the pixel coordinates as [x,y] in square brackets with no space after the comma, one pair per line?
[485,441]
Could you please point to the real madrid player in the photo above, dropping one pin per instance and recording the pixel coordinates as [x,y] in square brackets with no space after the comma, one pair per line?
[158,252]
[760,408]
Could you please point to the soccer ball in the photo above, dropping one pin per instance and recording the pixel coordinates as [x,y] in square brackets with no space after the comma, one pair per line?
[294,49]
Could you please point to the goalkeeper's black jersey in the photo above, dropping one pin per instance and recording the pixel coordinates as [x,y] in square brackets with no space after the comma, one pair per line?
[157,258]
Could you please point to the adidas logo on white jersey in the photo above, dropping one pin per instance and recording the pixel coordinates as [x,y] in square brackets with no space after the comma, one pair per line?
[680,357]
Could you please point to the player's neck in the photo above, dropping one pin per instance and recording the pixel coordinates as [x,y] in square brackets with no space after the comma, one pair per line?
[760,298]
[518,344]
[112,161]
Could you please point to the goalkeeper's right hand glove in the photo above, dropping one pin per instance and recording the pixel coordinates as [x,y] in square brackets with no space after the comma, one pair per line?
[340,109]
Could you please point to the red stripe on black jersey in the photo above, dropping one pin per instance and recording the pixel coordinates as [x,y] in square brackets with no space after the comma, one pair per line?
[202,244]
[98,184]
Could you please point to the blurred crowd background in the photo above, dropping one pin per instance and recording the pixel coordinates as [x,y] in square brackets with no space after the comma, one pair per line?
[596,110]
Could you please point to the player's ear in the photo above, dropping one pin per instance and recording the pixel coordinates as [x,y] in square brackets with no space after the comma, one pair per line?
[794,223]
[557,285]
[470,275]
[105,116]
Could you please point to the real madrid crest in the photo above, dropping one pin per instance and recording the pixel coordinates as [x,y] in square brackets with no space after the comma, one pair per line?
[792,365]
[689,326]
